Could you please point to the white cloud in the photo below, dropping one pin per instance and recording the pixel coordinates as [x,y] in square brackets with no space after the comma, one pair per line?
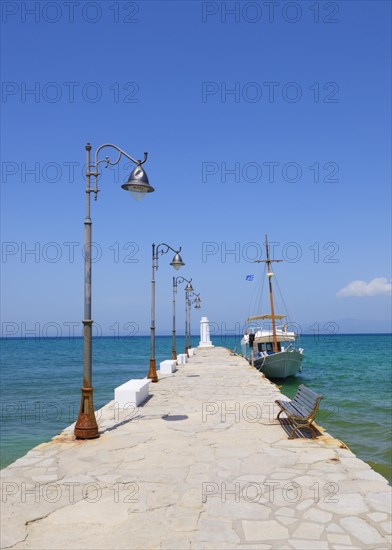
[379,286]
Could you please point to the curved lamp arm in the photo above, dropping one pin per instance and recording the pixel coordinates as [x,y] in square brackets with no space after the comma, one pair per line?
[177,260]
[177,279]
[168,247]
[121,152]
[92,169]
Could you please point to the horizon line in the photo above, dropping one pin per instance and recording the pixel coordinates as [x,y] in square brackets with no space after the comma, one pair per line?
[146,335]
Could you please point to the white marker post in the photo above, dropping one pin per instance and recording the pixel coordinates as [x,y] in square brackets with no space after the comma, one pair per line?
[205,341]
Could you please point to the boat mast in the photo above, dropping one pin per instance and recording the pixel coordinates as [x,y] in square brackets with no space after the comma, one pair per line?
[270,275]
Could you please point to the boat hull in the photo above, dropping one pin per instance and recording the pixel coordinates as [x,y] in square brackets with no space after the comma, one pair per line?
[280,365]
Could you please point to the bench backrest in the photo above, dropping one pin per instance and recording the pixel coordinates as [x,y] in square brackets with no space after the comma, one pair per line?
[307,400]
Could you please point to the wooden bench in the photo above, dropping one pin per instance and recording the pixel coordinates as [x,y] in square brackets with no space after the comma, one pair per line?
[301,410]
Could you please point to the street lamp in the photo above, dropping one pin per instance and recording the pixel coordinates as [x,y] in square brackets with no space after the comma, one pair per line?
[177,280]
[86,425]
[188,304]
[176,263]
[188,289]
[197,300]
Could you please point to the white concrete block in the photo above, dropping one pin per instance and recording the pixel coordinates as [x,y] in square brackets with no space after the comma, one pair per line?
[191,352]
[168,366]
[182,359]
[133,392]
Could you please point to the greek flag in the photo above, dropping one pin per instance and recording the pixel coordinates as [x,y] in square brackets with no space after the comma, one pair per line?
[249,277]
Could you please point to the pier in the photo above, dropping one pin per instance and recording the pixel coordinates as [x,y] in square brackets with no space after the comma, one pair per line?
[202,464]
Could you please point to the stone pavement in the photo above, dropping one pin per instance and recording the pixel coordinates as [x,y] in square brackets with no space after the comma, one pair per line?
[203,464]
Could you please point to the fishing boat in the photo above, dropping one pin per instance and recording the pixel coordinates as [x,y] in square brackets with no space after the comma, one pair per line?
[273,348]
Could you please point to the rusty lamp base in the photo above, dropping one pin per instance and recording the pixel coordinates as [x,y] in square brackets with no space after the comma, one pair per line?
[152,373]
[86,425]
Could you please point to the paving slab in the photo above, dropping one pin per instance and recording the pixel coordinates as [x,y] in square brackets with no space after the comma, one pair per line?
[202,464]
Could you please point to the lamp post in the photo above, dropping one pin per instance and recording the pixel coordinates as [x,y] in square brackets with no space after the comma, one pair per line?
[176,281]
[188,290]
[176,263]
[197,302]
[86,425]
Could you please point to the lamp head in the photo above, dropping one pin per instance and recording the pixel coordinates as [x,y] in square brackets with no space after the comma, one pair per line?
[177,261]
[138,184]
[189,287]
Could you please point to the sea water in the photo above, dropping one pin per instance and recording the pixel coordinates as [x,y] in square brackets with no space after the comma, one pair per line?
[41,380]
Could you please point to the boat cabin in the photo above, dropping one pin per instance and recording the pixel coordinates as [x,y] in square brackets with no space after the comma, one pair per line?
[267,347]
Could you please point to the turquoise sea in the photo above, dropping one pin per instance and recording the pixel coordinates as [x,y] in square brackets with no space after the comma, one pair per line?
[41,379]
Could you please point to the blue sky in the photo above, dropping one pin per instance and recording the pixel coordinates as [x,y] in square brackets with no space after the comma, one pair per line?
[256,122]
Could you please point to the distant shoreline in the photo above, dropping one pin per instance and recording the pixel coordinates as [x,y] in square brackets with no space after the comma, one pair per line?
[182,335]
